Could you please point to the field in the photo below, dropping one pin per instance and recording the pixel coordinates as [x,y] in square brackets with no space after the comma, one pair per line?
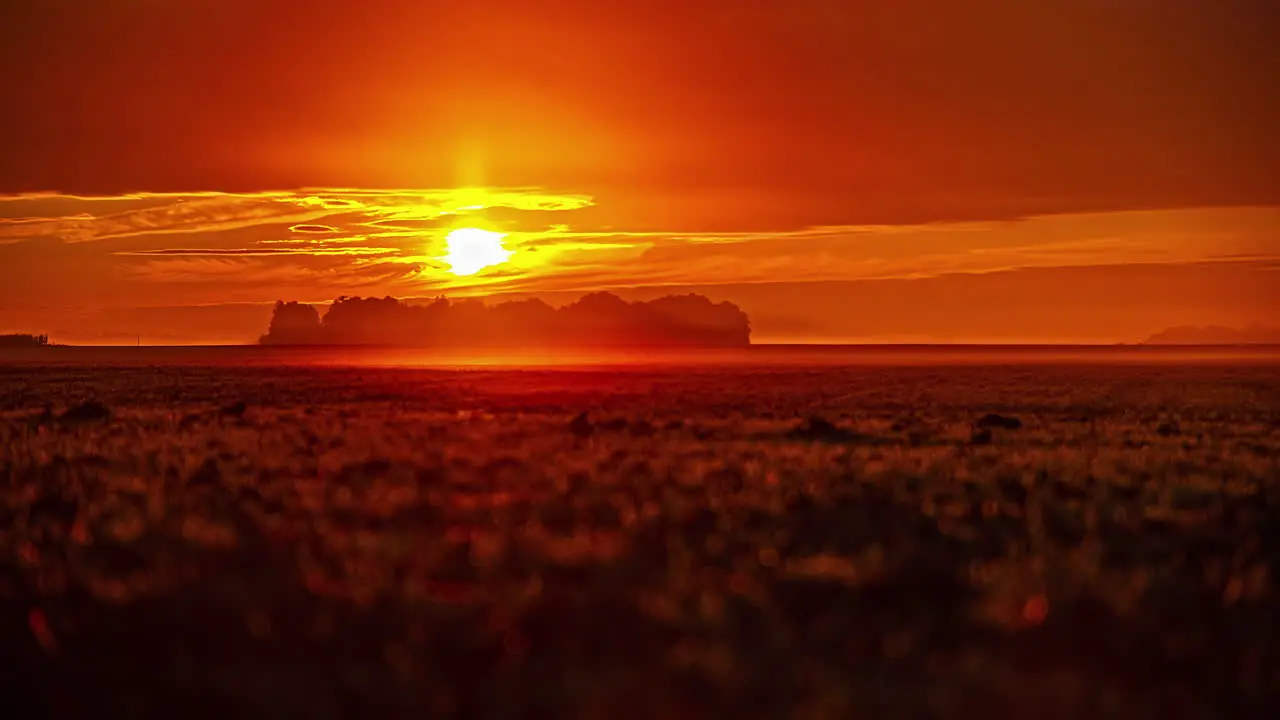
[986,541]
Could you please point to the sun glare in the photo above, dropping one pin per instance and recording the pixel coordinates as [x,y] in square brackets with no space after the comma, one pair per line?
[470,250]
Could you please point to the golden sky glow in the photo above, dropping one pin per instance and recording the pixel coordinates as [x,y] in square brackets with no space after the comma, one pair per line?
[174,168]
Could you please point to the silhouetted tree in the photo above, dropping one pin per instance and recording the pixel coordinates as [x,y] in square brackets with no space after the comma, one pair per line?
[598,319]
[293,323]
[23,340]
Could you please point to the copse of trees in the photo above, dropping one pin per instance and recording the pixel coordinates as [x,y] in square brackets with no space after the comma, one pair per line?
[293,323]
[599,319]
[15,340]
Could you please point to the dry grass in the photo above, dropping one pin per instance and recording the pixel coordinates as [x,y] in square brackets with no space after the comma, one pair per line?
[754,543]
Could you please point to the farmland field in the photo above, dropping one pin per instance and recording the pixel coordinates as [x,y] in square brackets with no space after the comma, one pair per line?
[988,540]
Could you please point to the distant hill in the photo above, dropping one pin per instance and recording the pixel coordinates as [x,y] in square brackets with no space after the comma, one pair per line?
[1215,335]
[598,319]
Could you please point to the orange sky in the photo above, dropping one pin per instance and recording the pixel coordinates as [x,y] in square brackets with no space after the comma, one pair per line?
[993,170]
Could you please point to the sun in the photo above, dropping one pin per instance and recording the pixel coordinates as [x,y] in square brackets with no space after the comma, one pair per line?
[470,250]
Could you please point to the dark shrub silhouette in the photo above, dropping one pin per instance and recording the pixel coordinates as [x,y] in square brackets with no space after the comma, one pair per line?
[599,319]
[22,340]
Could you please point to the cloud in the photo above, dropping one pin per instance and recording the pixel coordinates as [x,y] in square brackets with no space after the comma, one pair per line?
[190,213]
[396,237]
[240,278]
[314,229]
[391,212]
[584,261]
[322,241]
[264,252]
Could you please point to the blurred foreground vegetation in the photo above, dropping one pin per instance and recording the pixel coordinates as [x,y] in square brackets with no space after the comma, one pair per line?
[1048,542]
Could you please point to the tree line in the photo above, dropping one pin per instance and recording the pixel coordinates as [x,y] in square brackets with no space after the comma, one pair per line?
[13,340]
[599,319]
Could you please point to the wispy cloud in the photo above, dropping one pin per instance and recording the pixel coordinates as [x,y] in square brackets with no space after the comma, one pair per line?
[315,241]
[298,211]
[314,229]
[264,252]
[267,242]
[240,278]
[196,213]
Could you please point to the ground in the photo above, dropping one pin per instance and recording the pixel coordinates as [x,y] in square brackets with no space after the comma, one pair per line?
[1048,541]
